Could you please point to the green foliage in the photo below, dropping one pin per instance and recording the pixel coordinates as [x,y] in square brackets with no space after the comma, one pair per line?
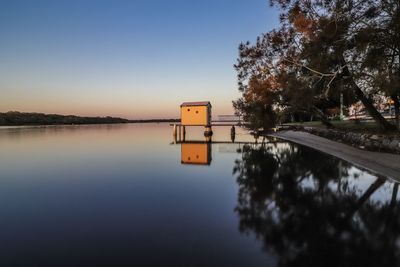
[321,50]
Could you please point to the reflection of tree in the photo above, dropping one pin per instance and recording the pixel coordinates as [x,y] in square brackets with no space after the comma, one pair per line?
[296,201]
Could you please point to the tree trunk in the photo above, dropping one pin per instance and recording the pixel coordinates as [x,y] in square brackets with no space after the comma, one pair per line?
[323,118]
[367,194]
[379,119]
[396,101]
[375,114]
[394,195]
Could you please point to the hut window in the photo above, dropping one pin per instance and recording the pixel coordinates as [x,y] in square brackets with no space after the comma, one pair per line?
[197,111]
[188,109]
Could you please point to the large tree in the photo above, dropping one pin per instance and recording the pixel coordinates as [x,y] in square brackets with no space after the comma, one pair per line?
[330,30]
[265,73]
[321,52]
[380,42]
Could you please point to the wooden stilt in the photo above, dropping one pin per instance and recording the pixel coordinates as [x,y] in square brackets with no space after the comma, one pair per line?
[174,133]
[208,131]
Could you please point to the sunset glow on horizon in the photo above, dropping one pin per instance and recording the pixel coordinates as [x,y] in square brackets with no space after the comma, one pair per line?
[132,59]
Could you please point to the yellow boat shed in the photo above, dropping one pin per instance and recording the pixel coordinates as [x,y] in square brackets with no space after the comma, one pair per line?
[196,113]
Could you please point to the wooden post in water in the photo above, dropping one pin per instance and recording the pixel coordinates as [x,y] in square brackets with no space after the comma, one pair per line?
[208,131]
[233,133]
[174,133]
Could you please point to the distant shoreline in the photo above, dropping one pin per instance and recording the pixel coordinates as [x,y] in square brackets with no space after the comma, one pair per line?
[15,118]
[154,121]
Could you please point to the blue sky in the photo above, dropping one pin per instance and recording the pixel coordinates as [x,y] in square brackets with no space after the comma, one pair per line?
[135,59]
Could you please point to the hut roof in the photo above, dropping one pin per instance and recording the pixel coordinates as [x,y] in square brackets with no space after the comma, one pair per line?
[201,103]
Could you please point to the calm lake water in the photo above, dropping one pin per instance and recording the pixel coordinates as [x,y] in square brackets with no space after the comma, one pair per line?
[125,195]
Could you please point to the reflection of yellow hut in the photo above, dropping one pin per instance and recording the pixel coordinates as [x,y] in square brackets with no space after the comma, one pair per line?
[196,153]
[196,113]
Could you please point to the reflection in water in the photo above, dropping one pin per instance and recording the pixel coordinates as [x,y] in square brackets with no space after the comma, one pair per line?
[118,195]
[308,211]
[196,153]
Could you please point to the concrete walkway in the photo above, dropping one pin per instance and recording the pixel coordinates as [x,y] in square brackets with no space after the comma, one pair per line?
[378,163]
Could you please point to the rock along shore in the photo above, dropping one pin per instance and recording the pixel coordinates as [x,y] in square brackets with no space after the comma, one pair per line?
[365,141]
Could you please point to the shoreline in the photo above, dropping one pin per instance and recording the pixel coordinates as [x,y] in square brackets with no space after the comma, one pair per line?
[378,163]
[79,124]
[16,118]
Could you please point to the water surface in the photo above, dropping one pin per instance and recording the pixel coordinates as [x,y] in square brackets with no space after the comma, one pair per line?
[125,195]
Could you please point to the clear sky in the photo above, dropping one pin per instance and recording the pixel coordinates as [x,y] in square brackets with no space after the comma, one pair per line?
[133,59]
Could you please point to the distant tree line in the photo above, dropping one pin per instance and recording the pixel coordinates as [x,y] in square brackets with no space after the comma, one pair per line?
[321,52]
[154,120]
[22,118]
[15,118]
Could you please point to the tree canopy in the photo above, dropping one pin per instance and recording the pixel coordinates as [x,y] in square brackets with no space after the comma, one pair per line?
[321,51]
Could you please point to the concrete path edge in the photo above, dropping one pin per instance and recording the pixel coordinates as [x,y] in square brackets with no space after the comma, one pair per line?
[381,164]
